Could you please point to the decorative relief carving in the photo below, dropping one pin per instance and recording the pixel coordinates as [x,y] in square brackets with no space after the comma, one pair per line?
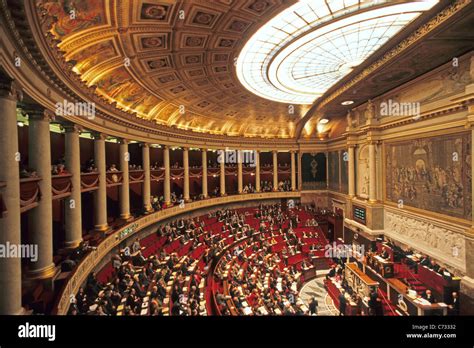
[435,239]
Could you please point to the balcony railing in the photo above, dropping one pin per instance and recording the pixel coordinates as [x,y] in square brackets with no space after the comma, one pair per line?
[114,178]
[29,193]
[89,181]
[157,174]
[61,185]
[136,176]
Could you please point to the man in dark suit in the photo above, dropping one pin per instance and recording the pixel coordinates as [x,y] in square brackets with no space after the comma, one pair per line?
[454,306]
[342,303]
[429,296]
[313,306]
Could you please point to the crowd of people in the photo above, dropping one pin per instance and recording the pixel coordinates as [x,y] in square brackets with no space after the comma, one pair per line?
[173,282]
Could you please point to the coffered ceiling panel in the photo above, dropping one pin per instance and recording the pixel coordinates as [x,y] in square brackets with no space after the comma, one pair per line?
[172,62]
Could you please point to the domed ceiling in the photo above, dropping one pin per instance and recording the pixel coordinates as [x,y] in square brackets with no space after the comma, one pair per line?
[171,61]
[189,64]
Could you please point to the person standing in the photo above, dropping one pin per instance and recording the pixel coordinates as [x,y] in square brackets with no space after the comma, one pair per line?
[313,306]
[342,303]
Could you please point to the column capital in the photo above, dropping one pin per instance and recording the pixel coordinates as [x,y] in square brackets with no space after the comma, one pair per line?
[123,141]
[185,148]
[166,147]
[99,136]
[204,150]
[10,89]
[145,145]
[70,127]
[36,112]
[373,142]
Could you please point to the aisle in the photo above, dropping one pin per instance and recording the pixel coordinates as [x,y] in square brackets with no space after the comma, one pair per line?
[315,288]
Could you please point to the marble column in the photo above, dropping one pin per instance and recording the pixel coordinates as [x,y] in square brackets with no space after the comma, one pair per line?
[293,171]
[10,231]
[257,171]
[222,174]
[72,204]
[40,219]
[204,173]
[147,178]
[167,182]
[125,188]
[372,173]
[275,171]
[351,170]
[100,195]
[240,179]
[186,174]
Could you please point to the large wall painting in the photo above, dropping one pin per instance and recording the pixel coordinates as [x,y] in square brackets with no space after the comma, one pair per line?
[431,173]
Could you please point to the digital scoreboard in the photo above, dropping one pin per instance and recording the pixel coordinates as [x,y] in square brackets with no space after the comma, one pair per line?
[359,214]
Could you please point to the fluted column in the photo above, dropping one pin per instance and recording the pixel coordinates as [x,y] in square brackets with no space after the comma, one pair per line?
[372,173]
[257,171]
[293,171]
[204,173]
[100,195]
[167,183]
[222,175]
[275,171]
[73,210]
[351,169]
[40,223]
[186,174]
[147,178]
[125,188]
[240,179]
[10,231]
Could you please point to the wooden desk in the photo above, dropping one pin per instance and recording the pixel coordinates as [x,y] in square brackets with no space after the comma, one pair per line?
[380,265]
[360,282]
[397,293]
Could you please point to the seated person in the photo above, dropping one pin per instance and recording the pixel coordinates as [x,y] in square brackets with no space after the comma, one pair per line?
[429,296]
[385,255]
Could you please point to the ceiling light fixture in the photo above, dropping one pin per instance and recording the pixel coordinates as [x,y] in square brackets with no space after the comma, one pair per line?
[301,52]
[347,102]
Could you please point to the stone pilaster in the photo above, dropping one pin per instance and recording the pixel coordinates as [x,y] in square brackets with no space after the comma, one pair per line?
[186,174]
[275,170]
[204,173]
[10,231]
[146,194]
[167,182]
[125,188]
[72,204]
[222,174]
[239,172]
[100,195]
[40,219]
[293,171]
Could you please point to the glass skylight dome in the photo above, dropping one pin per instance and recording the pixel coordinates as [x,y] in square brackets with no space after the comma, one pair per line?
[304,50]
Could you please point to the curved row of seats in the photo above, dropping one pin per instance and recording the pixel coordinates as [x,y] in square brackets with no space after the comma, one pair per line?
[194,254]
